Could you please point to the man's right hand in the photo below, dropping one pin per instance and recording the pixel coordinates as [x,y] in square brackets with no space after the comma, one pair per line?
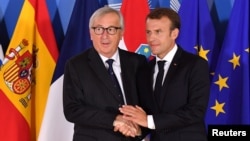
[127,128]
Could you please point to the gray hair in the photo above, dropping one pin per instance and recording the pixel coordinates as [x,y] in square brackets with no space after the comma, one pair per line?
[105,10]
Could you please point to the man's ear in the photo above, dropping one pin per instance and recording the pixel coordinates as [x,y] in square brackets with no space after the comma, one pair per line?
[175,33]
[122,34]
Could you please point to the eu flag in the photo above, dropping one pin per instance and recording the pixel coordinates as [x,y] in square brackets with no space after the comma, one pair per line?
[229,100]
[197,34]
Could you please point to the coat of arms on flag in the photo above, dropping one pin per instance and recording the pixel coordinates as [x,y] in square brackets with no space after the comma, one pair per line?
[16,70]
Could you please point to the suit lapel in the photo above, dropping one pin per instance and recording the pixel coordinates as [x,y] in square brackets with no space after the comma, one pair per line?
[100,70]
[171,73]
[125,75]
[152,64]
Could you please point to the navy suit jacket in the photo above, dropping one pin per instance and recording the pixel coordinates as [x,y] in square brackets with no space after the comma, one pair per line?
[89,99]
[179,116]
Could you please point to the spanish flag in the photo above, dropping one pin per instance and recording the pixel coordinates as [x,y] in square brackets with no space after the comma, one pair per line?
[26,72]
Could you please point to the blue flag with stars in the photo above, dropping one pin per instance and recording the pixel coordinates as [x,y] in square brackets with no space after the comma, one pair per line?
[197,34]
[229,99]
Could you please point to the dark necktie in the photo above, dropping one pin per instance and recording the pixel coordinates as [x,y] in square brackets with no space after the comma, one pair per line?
[158,82]
[113,77]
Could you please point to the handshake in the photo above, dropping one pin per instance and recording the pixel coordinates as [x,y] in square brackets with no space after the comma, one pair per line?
[129,123]
[126,127]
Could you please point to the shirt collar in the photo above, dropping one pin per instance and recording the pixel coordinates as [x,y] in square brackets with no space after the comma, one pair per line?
[169,57]
[115,57]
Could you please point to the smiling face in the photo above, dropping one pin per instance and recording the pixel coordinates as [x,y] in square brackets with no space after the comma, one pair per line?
[160,36]
[105,43]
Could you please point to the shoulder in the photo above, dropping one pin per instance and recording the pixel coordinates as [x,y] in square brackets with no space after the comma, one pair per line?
[131,55]
[80,57]
[189,57]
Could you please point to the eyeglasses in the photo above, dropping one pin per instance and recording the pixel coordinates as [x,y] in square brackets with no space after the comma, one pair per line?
[110,30]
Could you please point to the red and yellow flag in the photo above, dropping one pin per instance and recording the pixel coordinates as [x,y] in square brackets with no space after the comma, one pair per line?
[26,73]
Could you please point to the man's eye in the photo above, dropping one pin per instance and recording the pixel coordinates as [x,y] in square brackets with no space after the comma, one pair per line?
[110,29]
[98,28]
[148,32]
[158,31]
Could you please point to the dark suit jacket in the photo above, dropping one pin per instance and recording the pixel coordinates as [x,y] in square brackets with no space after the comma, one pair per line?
[89,99]
[179,116]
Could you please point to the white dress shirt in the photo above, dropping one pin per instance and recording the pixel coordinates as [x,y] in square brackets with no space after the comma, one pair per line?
[168,58]
[117,70]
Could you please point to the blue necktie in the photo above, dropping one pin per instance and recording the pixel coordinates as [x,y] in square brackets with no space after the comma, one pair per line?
[158,82]
[113,77]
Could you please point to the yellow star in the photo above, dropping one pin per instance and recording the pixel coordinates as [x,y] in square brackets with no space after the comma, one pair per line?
[222,82]
[235,60]
[203,53]
[218,107]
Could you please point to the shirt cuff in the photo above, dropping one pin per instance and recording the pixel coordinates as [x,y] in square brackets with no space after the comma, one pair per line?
[151,124]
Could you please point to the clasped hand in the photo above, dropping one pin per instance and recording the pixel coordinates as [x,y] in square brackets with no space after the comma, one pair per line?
[126,127]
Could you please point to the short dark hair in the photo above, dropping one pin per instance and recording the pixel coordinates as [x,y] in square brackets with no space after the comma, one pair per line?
[173,16]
